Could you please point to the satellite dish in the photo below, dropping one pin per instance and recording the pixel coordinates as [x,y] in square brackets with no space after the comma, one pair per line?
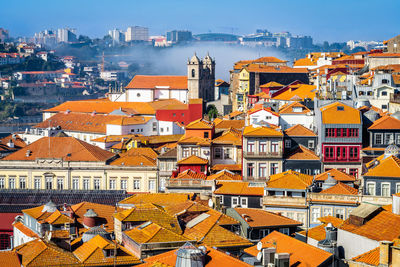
[259,256]
[259,246]
[210,203]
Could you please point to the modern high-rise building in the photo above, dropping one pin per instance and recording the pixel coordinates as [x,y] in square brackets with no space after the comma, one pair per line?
[117,36]
[66,35]
[179,36]
[3,35]
[137,33]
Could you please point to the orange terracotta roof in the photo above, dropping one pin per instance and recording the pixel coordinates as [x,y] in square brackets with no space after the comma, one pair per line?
[335,174]
[103,211]
[226,124]
[305,62]
[271,84]
[250,131]
[318,232]
[263,218]
[386,122]
[123,121]
[301,254]
[40,253]
[215,258]
[269,60]
[289,109]
[299,130]
[233,114]
[384,55]
[273,69]
[290,180]
[331,114]
[383,226]
[9,259]
[229,167]
[370,257]
[194,140]
[91,253]
[386,167]
[224,175]
[157,198]
[189,174]
[231,137]
[25,230]
[298,93]
[152,82]
[193,159]
[134,160]
[238,188]
[340,189]
[200,124]
[105,106]
[261,107]
[301,153]
[15,138]
[65,148]
[58,218]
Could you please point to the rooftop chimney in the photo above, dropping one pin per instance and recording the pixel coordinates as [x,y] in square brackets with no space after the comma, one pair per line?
[385,253]
[282,259]
[89,218]
[190,256]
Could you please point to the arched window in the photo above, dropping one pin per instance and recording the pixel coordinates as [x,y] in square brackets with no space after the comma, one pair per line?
[193,73]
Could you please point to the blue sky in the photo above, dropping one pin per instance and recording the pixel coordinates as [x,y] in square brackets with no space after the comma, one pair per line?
[339,20]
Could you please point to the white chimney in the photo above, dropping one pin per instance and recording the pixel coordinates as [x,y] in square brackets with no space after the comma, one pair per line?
[396,204]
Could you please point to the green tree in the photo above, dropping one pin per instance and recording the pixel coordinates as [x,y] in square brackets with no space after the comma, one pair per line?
[212,112]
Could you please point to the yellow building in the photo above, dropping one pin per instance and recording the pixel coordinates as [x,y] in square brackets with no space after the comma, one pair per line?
[66,163]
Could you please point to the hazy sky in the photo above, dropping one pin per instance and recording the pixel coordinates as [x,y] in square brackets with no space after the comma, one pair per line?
[339,20]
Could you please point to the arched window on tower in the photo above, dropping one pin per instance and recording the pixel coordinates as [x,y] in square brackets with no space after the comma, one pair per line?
[193,73]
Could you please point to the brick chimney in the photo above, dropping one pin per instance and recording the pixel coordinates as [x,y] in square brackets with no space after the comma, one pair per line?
[385,253]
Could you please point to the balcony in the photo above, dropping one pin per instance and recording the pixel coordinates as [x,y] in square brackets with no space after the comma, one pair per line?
[262,154]
[283,201]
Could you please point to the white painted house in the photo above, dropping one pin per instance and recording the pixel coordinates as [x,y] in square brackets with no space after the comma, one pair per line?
[295,113]
[261,115]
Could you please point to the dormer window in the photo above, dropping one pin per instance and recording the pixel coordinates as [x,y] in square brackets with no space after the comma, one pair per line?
[340,108]
[109,253]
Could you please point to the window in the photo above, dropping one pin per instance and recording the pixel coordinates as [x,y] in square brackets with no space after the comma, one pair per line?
[385,81]
[339,213]
[185,152]
[37,183]
[384,106]
[96,183]
[378,139]
[371,189]
[262,170]
[329,153]
[136,184]
[341,153]
[243,202]
[353,132]
[124,184]
[301,217]
[353,152]
[263,233]
[288,143]
[60,183]
[274,146]
[152,185]
[397,139]
[285,231]
[138,94]
[388,138]
[2,184]
[397,188]
[327,212]
[262,146]
[154,127]
[22,182]
[316,171]
[274,168]
[112,184]
[250,169]
[385,189]
[315,214]
[206,135]
[195,151]
[227,153]
[49,183]
[311,144]
[85,184]
[235,202]
[217,153]
[75,183]
[250,146]
[329,132]
[353,172]
[193,73]
[162,166]
[221,200]
[384,93]
[11,183]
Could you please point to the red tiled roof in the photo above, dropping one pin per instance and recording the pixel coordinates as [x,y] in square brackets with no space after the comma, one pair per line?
[386,122]
[335,174]
[66,148]
[263,218]
[340,189]
[152,82]
[238,188]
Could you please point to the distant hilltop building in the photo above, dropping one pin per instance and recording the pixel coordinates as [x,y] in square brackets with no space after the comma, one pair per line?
[117,36]
[137,33]
[4,35]
[66,35]
[198,83]
[282,39]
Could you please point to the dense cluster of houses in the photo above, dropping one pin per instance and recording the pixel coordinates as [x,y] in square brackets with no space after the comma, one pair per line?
[304,171]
